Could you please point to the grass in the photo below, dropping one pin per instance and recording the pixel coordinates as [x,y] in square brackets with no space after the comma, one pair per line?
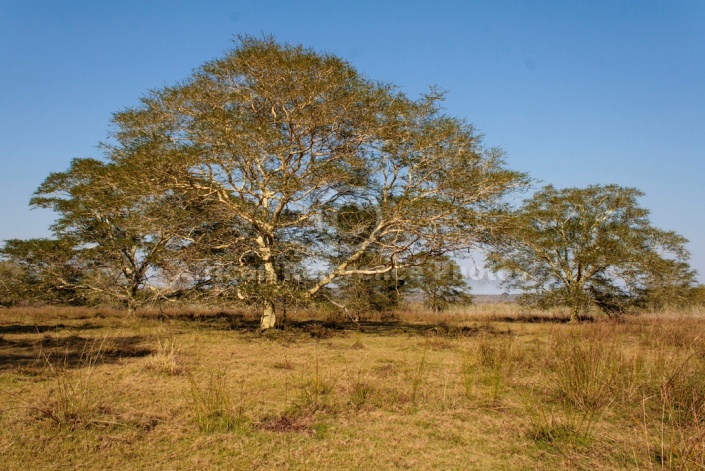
[166,359]
[72,398]
[469,389]
[213,407]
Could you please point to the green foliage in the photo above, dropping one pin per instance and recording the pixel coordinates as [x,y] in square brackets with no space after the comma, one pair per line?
[670,283]
[116,226]
[13,284]
[590,246]
[41,271]
[352,225]
[442,283]
[371,294]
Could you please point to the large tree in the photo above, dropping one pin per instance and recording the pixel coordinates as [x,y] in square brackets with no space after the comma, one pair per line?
[578,247]
[275,139]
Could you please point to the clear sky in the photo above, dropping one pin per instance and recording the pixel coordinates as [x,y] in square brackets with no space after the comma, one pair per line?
[576,93]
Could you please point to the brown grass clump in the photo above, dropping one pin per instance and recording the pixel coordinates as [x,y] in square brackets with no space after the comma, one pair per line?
[166,359]
[72,399]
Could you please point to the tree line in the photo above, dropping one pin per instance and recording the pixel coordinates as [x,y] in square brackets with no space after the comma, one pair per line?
[277,175]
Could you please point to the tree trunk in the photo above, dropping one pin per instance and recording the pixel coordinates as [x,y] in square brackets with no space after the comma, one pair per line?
[131,307]
[131,292]
[268,316]
[575,315]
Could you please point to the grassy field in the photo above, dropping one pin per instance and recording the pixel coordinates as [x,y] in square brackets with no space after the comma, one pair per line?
[488,387]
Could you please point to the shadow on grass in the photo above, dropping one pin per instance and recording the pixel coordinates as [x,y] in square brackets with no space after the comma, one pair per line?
[331,328]
[69,351]
[221,320]
[323,328]
[538,319]
[238,321]
[40,329]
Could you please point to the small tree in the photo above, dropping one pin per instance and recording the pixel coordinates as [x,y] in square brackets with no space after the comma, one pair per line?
[126,235]
[367,294]
[42,271]
[578,247]
[12,284]
[442,283]
[351,225]
[669,283]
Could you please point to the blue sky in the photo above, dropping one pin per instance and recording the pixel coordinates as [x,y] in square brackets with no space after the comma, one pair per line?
[575,93]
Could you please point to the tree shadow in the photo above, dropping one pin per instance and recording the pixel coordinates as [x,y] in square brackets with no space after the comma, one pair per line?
[389,328]
[221,320]
[238,321]
[324,328]
[539,319]
[40,329]
[73,351]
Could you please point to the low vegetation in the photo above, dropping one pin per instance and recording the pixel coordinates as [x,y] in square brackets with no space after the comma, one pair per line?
[482,387]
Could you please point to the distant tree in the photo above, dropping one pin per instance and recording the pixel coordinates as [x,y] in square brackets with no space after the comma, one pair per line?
[697,295]
[366,294]
[442,283]
[126,235]
[41,271]
[277,138]
[351,225]
[669,283]
[12,285]
[578,247]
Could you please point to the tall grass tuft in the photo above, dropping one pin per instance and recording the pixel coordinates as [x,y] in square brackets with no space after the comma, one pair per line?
[361,391]
[75,400]
[487,367]
[315,390]
[212,405]
[579,375]
[418,377]
[581,371]
[562,423]
[678,411]
[166,360]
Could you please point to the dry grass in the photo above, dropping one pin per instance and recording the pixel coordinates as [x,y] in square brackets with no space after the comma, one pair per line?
[166,358]
[487,387]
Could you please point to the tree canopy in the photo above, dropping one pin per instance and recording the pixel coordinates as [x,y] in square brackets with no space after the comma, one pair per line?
[277,139]
[588,246]
[126,233]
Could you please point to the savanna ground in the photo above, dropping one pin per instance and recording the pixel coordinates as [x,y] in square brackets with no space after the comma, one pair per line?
[490,387]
